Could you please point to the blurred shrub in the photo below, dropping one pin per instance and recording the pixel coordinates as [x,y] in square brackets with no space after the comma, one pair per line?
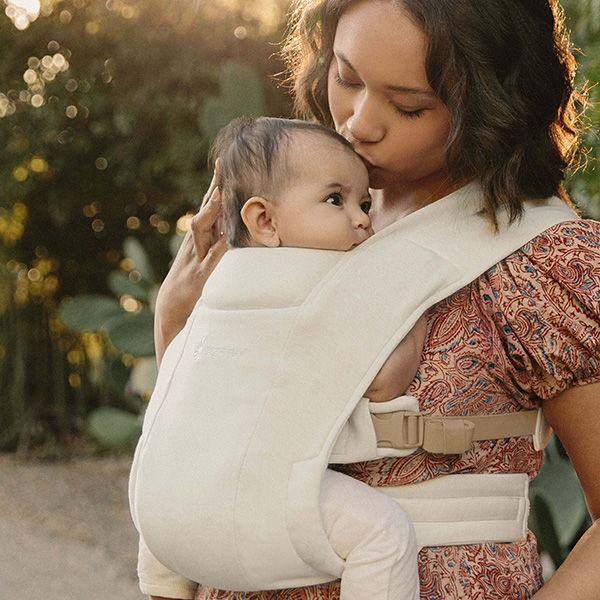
[583,19]
[107,109]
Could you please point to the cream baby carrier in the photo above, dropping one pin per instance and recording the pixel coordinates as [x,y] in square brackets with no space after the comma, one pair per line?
[264,387]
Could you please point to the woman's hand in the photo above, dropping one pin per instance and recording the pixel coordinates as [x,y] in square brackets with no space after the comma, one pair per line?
[202,248]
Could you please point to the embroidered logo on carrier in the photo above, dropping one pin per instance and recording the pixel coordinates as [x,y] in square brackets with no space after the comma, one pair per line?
[204,350]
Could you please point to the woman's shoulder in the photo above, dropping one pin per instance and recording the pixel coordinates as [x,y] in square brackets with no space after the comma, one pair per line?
[545,301]
[575,241]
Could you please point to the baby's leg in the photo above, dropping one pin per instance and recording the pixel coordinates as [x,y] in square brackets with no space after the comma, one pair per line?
[375,537]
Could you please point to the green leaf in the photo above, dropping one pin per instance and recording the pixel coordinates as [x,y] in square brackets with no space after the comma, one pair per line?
[133,250]
[113,427]
[120,284]
[557,485]
[132,333]
[88,312]
[241,95]
[118,375]
[543,526]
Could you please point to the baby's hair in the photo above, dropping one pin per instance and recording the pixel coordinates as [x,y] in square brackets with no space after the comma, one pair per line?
[253,161]
[503,68]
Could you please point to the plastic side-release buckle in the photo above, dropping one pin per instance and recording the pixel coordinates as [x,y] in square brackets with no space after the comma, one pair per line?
[402,430]
[448,436]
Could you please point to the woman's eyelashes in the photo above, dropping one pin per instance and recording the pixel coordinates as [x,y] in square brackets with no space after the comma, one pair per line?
[411,114]
[343,83]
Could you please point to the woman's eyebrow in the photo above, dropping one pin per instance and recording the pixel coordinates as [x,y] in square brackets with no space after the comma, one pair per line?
[403,89]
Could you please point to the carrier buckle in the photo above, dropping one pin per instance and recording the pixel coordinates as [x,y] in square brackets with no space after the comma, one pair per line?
[407,430]
[401,430]
[448,435]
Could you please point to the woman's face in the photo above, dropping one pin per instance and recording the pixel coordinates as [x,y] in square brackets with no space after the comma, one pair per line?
[381,101]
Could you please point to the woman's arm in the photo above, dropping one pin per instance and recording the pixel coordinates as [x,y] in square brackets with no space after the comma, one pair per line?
[575,418]
[201,250]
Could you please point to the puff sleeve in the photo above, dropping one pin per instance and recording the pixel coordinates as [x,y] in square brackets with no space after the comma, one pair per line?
[545,302]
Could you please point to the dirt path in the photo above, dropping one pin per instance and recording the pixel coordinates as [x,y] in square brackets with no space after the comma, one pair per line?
[65,530]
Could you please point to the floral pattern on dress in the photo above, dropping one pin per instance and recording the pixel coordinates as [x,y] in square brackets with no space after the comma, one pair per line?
[524,331]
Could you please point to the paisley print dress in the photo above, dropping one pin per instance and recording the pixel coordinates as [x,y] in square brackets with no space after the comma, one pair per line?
[524,331]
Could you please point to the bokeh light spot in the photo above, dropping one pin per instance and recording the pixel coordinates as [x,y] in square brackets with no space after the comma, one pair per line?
[130,304]
[133,223]
[101,163]
[184,223]
[38,164]
[240,33]
[20,173]
[163,227]
[74,380]
[98,225]
[30,76]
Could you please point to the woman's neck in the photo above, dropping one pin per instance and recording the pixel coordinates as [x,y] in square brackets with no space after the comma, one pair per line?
[390,205]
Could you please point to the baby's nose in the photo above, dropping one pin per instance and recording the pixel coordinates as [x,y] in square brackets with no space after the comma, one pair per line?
[361,219]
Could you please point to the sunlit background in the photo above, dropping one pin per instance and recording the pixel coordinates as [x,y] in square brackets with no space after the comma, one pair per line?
[107,110]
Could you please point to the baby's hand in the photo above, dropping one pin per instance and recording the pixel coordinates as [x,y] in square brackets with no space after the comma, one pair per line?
[399,370]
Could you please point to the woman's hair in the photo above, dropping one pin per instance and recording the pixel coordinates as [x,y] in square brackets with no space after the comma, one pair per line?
[253,161]
[503,68]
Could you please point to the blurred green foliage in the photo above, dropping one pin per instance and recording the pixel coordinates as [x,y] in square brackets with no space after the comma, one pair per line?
[583,20]
[107,110]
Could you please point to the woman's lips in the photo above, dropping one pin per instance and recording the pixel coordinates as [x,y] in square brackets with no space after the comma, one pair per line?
[370,166]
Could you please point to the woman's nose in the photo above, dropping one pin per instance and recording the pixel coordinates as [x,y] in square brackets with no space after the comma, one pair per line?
[365,124]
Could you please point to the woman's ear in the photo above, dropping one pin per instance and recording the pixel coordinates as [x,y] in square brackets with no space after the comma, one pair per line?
[257,215]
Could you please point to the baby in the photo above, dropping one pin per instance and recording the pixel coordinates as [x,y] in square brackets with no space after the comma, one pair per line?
[298,184]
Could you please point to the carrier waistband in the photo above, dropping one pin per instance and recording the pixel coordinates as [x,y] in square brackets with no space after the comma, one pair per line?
[466,508]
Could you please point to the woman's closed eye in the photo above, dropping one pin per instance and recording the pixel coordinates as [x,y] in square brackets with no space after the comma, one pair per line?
[411,114]
[344,83]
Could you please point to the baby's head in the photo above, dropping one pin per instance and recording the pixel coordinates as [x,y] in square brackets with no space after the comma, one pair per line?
[291,183]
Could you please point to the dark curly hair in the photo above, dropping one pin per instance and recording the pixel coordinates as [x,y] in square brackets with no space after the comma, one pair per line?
[503,68]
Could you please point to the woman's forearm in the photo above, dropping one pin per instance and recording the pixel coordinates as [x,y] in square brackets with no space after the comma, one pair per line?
[198,255]
[578,578]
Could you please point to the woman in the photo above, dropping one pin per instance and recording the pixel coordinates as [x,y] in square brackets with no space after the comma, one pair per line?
[433,94]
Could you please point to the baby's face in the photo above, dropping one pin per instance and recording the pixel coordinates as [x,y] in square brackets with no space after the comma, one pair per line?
[326,206]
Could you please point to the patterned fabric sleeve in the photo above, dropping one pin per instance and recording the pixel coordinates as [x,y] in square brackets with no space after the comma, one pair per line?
[545,301]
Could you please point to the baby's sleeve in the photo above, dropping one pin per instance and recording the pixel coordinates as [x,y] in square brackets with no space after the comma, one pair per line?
[156,580]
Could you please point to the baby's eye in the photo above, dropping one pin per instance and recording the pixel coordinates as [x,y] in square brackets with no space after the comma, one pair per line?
[366,207]
[335,199]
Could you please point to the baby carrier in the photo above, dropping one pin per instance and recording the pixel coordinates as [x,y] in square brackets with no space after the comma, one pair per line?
[264,387]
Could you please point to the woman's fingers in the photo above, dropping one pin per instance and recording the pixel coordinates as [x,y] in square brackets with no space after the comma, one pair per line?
[212,186]
[206,225]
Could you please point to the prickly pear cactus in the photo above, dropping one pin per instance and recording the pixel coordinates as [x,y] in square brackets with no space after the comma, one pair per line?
[242,95]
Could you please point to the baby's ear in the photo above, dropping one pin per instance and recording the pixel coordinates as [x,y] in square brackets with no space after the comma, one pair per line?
[257,215]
